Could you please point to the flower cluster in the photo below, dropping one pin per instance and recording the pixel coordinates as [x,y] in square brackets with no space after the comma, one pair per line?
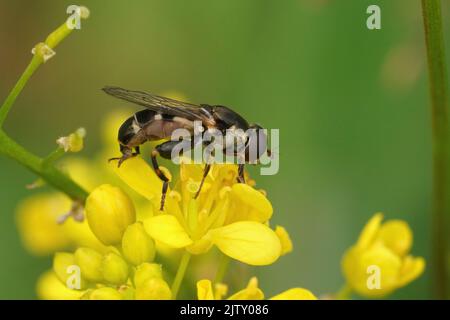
[126,248]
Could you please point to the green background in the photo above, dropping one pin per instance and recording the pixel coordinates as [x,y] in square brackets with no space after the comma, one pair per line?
[351,105]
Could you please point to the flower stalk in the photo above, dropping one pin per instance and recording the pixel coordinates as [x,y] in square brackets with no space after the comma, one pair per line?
[441,142]
[180,274]
[10,148]
[49,173]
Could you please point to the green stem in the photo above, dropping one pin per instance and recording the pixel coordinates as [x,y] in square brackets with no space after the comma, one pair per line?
[52,157]
[344,293]
[8,147]
[222,270]
[180,274]
[441,142]
[49,173]
[26,75]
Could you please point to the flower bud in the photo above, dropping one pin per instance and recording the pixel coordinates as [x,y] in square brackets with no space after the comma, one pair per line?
[73,142]
[114,269]
[67,271]
[90,263]
[153,289]
[147,271]
[109,212]
[137,246]
[105,293]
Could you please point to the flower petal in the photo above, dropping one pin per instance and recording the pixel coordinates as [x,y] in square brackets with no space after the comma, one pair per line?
[247,241]
[411,269]
[295,294]
[364,268]
[396,235]
[252,292]
[136,173]
[370,231]
[166,229]
[49,287]
[260,207]
[204,290]
[285,240]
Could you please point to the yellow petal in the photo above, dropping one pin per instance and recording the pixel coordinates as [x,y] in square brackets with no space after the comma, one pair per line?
[82,236]
[247,241]
[252,292]
[361,266]
[285,240]
[260,207]
[397,236]
[83,172]
[200,246]
[166,229]
[370,231]
[295,294]
[204,290]
[411,269]
[136,173]
[36,220]
[220,290]
[49,287]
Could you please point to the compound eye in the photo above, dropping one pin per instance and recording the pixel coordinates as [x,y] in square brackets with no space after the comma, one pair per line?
[126,131]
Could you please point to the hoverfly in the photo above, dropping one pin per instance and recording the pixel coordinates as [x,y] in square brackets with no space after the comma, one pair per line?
[164,115]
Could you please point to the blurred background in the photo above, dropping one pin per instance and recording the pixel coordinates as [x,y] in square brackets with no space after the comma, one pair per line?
[351,105]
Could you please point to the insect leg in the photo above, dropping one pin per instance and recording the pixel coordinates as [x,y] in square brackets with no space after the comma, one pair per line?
[137,151]
[165,151]
[161,175]
[241,178]
[126,154]
[205,174]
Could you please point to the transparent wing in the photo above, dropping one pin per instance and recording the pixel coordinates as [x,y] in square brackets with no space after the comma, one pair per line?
[160,104]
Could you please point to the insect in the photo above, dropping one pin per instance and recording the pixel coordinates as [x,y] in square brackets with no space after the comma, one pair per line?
[162,116]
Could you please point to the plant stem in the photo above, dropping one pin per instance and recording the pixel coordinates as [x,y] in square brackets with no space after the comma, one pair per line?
[180,273]
[441,137]
[52,157]
[35,62]
[223,266]
[42,167]
[49,173]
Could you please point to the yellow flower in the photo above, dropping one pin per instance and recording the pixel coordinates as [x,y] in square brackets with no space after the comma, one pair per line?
[380,263]
[73,142]
[226,214]
[251,292]
[36,219]
[137,246]
[109,212]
